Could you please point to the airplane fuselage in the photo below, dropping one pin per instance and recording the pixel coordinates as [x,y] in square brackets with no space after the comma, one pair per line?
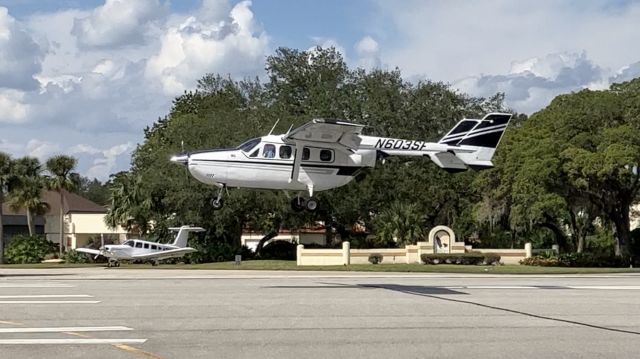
[135,247]
[268,162]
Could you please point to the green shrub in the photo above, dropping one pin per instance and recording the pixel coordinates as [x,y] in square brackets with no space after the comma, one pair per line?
[26,249]
[473,258]
[577,260]
[211,252]
[279,250]
[375,258]
[74,256]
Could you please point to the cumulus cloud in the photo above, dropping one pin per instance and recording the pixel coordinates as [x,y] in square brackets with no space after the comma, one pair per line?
[368,52]
[531,84]
[20,56]
[626,73]
[199,45]
[12,109]
[446,42]
[105,161]
[117,23]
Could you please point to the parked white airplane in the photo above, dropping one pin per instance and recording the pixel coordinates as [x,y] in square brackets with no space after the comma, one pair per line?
[137,249]
[327,153]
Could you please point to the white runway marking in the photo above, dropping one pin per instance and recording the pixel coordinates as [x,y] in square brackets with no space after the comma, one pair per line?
[605,287]
[35,285]
[49,301]
[46,296]
[64,329]
[69,341]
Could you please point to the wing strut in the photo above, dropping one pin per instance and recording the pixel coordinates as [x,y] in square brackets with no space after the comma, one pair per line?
[296,162]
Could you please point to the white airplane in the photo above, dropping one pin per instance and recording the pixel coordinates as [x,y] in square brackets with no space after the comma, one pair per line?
[328,153]
[137,249]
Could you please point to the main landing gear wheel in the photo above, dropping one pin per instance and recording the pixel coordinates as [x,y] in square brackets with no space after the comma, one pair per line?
[312,204]
[297,204]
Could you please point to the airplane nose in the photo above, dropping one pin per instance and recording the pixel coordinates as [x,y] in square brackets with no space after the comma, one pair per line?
[181,158]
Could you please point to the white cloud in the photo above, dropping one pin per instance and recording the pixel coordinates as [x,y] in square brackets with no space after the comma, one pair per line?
[93,162]
[448,42]
[198,46]
[41,149]
[12,109]
[117,23]
[20,56]
[532,83]
[103,166]
[368,52]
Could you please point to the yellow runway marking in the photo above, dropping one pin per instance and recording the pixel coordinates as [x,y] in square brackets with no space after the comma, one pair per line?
[124,347]
[131,349]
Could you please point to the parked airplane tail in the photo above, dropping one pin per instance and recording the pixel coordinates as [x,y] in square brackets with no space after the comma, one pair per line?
[483,139]
[183,235]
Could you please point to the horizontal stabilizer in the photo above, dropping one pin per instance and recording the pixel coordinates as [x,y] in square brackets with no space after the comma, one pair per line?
[448,161]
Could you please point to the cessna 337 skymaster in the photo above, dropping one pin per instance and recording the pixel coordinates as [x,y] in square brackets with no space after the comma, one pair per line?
[327,153]
[137,249]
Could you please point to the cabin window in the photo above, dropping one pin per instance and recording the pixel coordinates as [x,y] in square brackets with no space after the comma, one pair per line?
[269,151]
[249,145]
[306,153]
[154,247]
[138,244]
[146,246]
[285,152]
[255,153]
[326,155]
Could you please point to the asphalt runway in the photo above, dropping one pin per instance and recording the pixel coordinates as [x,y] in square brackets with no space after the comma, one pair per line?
[120,313]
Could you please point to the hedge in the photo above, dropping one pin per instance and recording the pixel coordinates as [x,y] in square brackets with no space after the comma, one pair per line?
[577,260]
[461,258]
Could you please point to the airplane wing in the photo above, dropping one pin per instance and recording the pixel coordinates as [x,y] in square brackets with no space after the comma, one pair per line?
[165,254]
[330,133]
[94,252]
[340,135]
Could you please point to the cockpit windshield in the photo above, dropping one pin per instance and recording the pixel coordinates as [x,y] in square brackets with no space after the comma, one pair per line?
[128,243]
[249,145]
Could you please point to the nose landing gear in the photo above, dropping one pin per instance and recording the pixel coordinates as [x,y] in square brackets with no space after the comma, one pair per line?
[218,202]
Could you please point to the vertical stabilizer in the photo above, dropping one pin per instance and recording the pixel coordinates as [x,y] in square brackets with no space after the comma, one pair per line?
[484,139]
[458,132]
[183,235]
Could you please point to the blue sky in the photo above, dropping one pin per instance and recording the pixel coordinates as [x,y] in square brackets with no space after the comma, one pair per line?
[84,77]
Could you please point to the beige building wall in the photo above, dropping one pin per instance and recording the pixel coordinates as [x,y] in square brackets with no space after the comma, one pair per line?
[80,228]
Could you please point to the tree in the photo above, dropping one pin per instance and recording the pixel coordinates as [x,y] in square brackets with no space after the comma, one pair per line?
[26,192]
[401,223]
[5,175]
[61,179]
[93,190]
[130,206]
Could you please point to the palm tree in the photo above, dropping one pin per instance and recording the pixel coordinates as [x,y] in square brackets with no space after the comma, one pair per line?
[27,189]
[402,222]
[130,206]
[62,179]
[5,176]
